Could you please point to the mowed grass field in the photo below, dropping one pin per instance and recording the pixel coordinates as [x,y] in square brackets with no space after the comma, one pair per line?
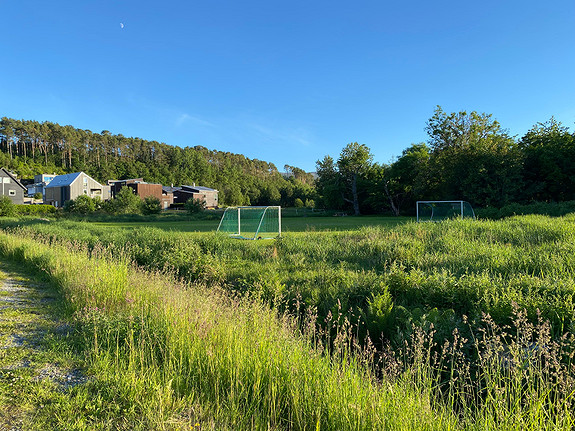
[289,224]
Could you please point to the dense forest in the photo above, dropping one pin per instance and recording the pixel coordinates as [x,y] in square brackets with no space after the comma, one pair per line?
[30,147]
[468,156]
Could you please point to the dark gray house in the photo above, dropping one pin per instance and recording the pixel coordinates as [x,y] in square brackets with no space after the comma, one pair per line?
[11,187]
[184,193]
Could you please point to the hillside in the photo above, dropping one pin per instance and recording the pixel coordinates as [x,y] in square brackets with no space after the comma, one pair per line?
[30,147]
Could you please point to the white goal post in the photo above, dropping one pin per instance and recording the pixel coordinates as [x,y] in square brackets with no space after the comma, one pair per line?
[442,210]
[253,222]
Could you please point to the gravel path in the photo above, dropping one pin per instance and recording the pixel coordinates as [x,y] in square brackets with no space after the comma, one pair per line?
[29,330]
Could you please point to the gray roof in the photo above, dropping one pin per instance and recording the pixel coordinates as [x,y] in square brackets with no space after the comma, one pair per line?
[199,188]
[63,180]
[11,175]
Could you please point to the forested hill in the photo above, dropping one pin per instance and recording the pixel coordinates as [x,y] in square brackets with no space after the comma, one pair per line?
[31,147]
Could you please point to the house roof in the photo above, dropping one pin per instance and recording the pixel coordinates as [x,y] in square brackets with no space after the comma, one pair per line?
[11,175]
[198,189]
[63,180]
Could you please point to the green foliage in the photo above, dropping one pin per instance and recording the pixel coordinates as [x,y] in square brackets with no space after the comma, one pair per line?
[298,203]
[549,151]
[6,207]
[345,182]
[194,206]
[125,202]
[353,164]
[151,205]
[38,196]
[553,209]
[35,209]
[407,179]
[83,205]
[30,147]
[473,159]
[468,156]
[328,184]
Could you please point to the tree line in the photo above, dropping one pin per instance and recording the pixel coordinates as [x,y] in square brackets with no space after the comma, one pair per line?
[468,156]
[31,147]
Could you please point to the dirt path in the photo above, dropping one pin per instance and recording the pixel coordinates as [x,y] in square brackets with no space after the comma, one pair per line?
[35,357]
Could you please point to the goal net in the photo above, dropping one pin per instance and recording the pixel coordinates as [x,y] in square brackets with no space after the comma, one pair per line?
[252,222]
[442,210]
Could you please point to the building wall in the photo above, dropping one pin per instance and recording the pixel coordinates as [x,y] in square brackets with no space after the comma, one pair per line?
[85,185]
[11,188]
[210,198]
[53,196]
[144,189]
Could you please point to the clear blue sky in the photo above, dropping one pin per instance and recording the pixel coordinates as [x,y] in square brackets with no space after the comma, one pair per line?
[290,81]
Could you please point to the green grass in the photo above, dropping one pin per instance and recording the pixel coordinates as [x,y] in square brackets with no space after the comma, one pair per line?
[464,296]
[289,224]
[391,277]
[173,355]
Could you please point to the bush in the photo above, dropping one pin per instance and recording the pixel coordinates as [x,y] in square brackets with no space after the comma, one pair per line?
[84,205]
[125,202]
[35,209]
[38,196]
[298,203]
[6,207]
[553,209]
[151,205]
[194,206]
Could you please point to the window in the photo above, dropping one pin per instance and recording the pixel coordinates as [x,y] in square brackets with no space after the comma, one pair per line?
[6,180]
[12,192]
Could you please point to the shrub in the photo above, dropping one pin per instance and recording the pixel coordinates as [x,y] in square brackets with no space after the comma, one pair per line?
[84,205]
[151,205]
[35,209]
[38,196]
[6,206]
[298,203]
[125,202]
[194,206]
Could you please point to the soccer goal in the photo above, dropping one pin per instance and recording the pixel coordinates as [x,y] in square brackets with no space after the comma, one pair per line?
[263,222]
[442,210]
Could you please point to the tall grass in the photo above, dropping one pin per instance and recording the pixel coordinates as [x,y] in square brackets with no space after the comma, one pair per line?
[165,345]
[391,278]
[178,353]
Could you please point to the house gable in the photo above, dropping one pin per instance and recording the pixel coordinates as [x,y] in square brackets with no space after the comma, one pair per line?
[11,187]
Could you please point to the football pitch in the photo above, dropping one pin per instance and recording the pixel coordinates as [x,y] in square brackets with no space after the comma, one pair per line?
[289,224]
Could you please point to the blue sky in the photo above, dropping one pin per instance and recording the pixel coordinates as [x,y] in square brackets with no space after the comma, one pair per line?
[286,82]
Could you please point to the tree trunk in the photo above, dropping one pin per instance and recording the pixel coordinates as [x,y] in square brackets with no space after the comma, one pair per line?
[354,194]
[394,207]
